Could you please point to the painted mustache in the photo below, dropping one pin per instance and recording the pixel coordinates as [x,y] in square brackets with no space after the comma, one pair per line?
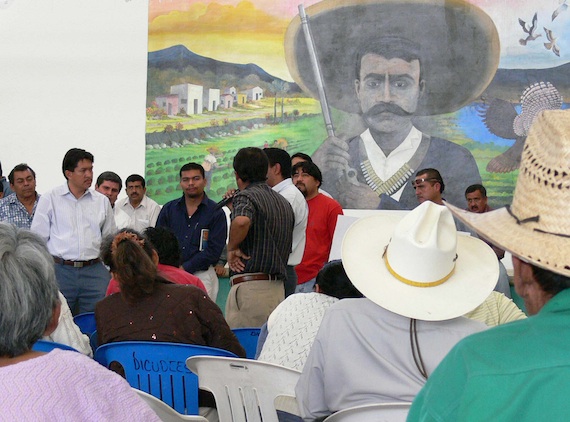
[386,108]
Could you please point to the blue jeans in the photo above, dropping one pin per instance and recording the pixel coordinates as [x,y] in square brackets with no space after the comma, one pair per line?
[82,287]
[306,287]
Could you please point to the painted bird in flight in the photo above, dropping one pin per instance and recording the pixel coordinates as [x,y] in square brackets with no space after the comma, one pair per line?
[563,6]
[551,44]
[530,30]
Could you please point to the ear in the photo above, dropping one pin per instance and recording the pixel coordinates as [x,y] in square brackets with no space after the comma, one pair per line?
[357,88]
[67,174]
[277,168]
[155,257]
[422,85]
[54,320]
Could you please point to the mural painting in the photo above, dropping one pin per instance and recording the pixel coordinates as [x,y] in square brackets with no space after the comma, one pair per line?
[471,78]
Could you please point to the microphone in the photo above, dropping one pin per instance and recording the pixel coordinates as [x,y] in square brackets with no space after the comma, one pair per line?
[226,201]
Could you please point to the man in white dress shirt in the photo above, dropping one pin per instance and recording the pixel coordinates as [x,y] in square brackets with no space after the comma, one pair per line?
[137,211]
[72,219]
[279,178]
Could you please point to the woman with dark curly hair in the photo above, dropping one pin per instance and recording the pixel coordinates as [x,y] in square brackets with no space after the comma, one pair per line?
[151,308]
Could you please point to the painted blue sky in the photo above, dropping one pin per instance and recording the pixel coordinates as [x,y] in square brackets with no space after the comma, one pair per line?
[506,13]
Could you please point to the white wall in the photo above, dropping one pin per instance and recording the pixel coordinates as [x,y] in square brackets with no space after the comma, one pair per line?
[73,74]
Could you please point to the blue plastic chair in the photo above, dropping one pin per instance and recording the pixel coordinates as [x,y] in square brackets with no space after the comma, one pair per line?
[248,339]
[160,369]
[94,341]
[47,346]
[86,322]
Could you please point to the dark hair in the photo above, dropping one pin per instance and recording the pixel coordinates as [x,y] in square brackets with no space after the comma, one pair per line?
[251,165]
[166,244]
[128,254]
[390,47]
[73,157]
[302,156]
[111,177]
[192,166]
[475,188]
[20,167]
[281,157]
[433,174]
[0,169]
[310,168]
[333,281]
[550,282]
[135,178]
[1,187]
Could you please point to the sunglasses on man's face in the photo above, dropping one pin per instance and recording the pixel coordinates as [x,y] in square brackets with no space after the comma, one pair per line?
[418,181]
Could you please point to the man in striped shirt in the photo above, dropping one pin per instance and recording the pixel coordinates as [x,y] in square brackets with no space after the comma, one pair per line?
[259,245]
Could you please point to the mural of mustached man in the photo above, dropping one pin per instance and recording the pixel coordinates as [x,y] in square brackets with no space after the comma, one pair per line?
[373,90]
[389,71]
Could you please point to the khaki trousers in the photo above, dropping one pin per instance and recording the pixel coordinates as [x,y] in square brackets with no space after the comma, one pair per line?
[250,303]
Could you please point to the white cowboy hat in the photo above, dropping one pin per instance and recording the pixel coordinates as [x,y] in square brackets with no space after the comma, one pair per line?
[421,268]
[458,42]
[536,226]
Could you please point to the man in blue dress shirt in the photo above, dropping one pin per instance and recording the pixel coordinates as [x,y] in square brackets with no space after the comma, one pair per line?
[201,229]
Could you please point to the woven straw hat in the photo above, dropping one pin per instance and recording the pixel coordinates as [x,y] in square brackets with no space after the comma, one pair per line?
[536,227]
[458,42]
[418,266]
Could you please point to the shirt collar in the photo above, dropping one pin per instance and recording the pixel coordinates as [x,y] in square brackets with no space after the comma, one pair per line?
[282,185]
[412,141]
[66,191]
[559,302]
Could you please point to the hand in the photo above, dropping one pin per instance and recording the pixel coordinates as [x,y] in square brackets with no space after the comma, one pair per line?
[221,270]
[236,260]
[332,155]
[230,194]
[359,196]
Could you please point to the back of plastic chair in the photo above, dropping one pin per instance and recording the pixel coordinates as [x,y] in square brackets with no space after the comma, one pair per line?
[86,322]
[48,346]
[246,390]
[159,369]
[381,412]
[164,411]
[248,339]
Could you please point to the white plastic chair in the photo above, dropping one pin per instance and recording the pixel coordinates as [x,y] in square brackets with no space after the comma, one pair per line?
[381,412]
[164,411]
[246,390]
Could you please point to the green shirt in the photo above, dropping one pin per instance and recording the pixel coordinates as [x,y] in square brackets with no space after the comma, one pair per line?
[519,371]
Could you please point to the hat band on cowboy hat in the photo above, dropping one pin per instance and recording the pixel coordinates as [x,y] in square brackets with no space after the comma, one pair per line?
[458,47]
[422,247]
[536,227]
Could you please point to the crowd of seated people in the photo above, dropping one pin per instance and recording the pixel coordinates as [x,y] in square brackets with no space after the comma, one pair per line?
[150,298]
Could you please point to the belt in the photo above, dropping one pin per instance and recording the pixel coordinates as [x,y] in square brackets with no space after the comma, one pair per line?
[237,279]
[76,264]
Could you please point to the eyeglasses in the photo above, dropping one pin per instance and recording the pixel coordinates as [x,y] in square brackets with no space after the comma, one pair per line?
[417,181]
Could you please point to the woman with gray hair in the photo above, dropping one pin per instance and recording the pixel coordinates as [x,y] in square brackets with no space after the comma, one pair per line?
[59,385]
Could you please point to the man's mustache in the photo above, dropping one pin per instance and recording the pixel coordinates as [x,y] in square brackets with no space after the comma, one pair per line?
[386,108]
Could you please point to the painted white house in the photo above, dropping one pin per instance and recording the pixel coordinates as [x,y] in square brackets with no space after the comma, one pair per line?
[211,99]
[191,97]
[254,94]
